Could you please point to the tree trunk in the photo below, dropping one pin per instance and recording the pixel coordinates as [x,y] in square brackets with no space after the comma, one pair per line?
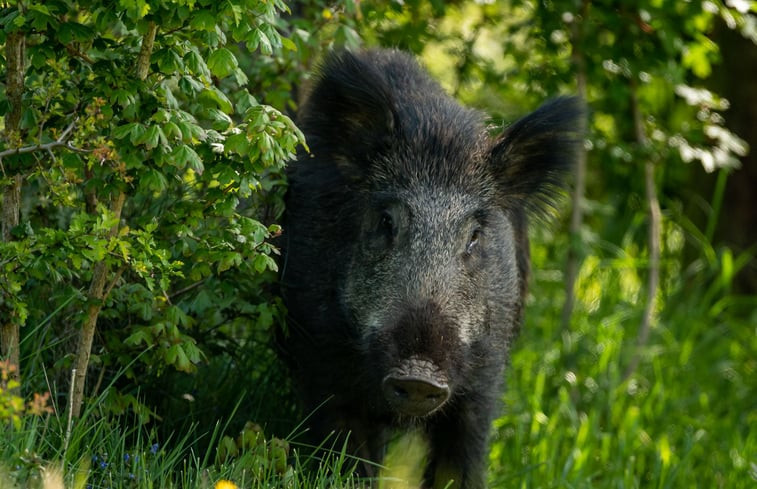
[573,262]
[736,225]
[15,54]
[655,223]
[97,291]
[95,299]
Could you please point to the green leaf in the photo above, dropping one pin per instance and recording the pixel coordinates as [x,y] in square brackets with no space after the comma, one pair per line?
[172,131]
[137,131]
[69,32]
[234,12]
[152,136]
[153,181]
[121,132]
[18,21]
[194,353]
[183,156]
[272,35]
[203,20]
[135,9]
[237,143]
[264,43]
[222,63]
[240,77]
[216,97]
[171,101]
[41,17]
[71,160]
[176,315]
[10,19]
[244,102]
[288,44]
[140,336]
[169,61]
[219,120]
[253,39]
[196,64]
[263,262]
[189,85]
[123,97]
[228,260]
[28,119]
[190,131]
[160,115]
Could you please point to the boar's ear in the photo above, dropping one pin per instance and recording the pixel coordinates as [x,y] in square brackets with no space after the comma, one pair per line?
[349,111]
[531,158]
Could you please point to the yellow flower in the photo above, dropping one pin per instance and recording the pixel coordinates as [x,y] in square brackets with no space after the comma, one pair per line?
[224,484]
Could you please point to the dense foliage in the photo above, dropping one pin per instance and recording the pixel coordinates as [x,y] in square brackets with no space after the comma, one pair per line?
[140,169]
[140,156]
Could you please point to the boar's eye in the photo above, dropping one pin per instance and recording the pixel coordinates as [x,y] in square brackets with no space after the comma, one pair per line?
[386,226]
[473,241]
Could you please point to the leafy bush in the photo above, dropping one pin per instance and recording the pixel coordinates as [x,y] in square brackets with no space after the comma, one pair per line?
[141,183]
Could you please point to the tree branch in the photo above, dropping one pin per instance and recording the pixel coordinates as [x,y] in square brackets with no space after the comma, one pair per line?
[148,41]
[114,281]
[186,289]
[62,141]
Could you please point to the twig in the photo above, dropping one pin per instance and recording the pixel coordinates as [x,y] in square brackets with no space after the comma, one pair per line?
[114,281]
[78,54]
[61,142]
[187,288]
[99,382]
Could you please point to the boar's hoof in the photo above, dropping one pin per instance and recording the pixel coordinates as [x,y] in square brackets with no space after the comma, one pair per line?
[414,395]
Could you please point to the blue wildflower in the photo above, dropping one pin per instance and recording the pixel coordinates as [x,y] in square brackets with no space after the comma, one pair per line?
[154,448]
[126,457]
[103,464]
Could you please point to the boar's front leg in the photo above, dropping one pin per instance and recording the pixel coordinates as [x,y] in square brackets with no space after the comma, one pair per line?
[459,446]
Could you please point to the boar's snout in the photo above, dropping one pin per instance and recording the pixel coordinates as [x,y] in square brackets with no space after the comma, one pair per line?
[415,389]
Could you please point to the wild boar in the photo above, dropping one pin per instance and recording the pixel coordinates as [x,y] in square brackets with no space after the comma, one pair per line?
[406,256]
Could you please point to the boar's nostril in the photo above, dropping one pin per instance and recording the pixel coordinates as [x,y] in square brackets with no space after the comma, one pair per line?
[399,391]
[414,396]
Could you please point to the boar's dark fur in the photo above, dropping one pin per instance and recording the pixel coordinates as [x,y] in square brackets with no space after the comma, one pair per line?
[405,256]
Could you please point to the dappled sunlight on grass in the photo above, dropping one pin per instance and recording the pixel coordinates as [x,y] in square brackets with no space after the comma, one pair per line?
[684,418]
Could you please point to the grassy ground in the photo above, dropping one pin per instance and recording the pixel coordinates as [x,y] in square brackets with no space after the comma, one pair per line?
[686,417]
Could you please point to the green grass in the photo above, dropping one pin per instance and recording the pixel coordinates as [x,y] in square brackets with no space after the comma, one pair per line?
[687,417]
[105,453]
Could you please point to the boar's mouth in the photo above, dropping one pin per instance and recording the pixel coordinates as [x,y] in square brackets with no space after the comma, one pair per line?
[416,388]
